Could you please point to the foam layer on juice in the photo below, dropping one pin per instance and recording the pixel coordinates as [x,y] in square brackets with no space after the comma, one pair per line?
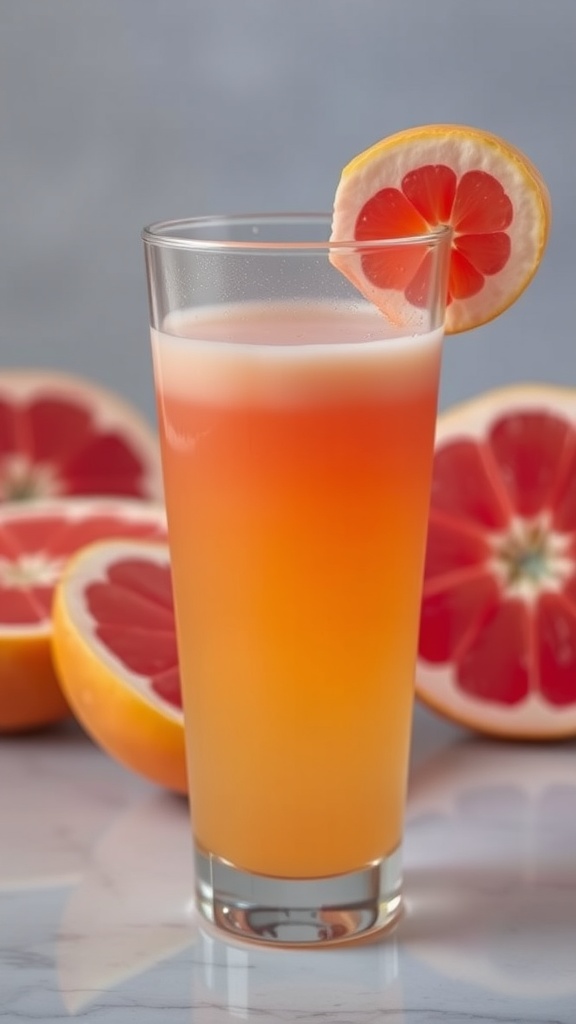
[288,352]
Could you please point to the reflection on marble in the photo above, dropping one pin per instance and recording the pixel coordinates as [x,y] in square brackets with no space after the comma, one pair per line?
[491,867]
[489,934]
[56,795]
[334,984]
[133,906]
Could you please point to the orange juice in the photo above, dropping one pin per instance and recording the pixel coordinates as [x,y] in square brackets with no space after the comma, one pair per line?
[297,448]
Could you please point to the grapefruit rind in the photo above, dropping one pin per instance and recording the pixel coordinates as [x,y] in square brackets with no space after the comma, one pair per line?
[115,706]
[30,693]
[437,686]
[462,148]
[30,696]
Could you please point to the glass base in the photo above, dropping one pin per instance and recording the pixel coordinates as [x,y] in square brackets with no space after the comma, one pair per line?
[287,912]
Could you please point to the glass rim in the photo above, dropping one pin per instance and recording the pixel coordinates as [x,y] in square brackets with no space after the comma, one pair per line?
[163,234]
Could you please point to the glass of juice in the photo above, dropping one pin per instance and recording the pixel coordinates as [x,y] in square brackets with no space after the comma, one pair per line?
[297,427]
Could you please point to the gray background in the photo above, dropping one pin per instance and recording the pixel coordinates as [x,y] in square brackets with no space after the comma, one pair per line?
[114,113]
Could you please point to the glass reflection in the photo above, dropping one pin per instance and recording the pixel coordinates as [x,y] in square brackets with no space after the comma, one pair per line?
[243,981]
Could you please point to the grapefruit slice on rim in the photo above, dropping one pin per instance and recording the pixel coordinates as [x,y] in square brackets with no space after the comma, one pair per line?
[114,644]
[497,646]
[63,435]
[37,538]
[481,186]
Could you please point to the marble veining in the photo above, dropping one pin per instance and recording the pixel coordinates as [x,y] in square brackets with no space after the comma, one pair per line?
[97,921]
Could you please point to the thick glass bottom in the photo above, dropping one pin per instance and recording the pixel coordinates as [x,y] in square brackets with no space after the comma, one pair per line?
[288,912]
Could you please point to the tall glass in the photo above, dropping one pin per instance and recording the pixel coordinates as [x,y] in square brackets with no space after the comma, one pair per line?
[297,426]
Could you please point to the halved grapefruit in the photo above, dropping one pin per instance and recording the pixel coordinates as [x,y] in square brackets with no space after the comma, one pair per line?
[497,647]
[36,540]
[481,186]
[63,435]
[114,645]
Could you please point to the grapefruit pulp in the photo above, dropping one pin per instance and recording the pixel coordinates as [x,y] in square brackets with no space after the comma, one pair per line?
[497,647]
[114,645]
[62,435]
[482,187]
[36,540]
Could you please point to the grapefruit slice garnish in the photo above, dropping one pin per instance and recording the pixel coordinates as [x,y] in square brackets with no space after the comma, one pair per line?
[497,648]
[37,539]
[114,646]
[482,187]
[63,435]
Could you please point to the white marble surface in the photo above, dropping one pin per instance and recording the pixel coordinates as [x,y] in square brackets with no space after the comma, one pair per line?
[96,921]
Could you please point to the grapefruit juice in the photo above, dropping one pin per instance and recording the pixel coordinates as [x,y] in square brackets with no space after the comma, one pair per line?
[297,451]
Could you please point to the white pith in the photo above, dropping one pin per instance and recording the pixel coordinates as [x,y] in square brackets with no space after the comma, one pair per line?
[34,570]
[22,478]
[531,540]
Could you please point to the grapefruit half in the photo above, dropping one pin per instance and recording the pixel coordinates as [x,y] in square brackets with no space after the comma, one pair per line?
[497,646]
[36,540]
[63,435]
[114,644]
[482,187]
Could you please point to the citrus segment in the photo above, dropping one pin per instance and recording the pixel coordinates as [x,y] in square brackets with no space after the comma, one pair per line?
[500,677]
[452,619]
[564,495]
[497,647]
[485,189]
[528,449]
[114,646]
[63,435]
[134,613]
[464,488]
[557,633]
[36,540]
